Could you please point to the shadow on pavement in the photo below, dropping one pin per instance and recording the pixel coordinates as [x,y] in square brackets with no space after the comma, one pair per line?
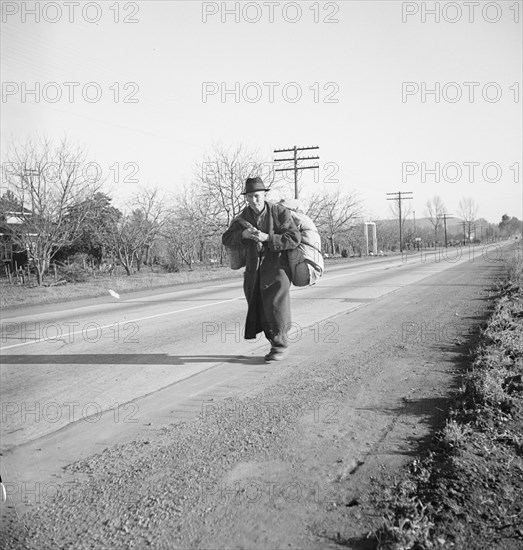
[127,359]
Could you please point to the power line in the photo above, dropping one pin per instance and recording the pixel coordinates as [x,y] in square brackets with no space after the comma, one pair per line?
[400,195]
[295,160]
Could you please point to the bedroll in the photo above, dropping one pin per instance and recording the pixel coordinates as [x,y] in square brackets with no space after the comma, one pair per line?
[306,261]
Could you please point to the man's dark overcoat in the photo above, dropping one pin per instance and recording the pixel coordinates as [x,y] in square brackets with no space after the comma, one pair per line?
[267,276]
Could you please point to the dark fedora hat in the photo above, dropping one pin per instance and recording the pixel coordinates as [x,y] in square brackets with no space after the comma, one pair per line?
[254,184]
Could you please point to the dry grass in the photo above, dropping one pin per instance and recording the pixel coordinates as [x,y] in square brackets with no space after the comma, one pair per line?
[92,286]
[17,295]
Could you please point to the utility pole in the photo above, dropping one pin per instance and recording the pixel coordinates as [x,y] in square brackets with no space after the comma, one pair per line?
[400,195]
[295,160]
[445,216]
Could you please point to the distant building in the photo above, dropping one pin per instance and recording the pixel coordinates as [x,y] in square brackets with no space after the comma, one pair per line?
[10,253]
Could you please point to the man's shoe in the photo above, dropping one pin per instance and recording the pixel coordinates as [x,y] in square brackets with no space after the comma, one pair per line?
[276,354]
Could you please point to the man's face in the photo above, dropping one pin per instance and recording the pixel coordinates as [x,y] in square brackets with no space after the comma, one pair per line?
[256,201]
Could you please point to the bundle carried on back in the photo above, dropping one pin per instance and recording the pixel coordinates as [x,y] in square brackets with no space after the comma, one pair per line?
[306,261]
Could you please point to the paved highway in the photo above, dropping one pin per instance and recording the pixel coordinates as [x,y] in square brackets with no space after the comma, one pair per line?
[64,365]
[79,379]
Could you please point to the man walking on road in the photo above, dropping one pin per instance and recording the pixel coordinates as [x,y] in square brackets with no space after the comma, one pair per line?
[267,236]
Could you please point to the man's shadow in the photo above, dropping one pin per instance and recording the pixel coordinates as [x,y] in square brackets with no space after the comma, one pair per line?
[127,359]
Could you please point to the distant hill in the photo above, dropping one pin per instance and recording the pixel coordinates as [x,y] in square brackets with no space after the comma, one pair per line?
[422,223]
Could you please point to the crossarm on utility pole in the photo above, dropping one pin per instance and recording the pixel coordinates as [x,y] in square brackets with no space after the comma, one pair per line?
[295,168]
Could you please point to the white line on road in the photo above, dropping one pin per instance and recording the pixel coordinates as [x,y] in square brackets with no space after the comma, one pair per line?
[126,322]
[53,338]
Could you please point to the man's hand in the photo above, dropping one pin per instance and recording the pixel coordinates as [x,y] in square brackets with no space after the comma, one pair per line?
[262,237]
[248,233]
[255,235]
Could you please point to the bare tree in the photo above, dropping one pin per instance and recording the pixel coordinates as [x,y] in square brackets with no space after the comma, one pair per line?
[53,190]
[182,240]
[434,211]
[127,239]
[406,210]
[335,214]
[388,234]
[221,177]
[468,210]
[194,225]
[151,214]
[135,233]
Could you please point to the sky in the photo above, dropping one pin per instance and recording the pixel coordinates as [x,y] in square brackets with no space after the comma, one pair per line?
[399,96]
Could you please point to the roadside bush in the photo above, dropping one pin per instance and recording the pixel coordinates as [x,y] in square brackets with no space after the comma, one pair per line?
[73,274]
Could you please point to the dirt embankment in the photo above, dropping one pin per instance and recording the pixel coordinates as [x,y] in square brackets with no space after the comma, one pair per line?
[289,463]
[468,491]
